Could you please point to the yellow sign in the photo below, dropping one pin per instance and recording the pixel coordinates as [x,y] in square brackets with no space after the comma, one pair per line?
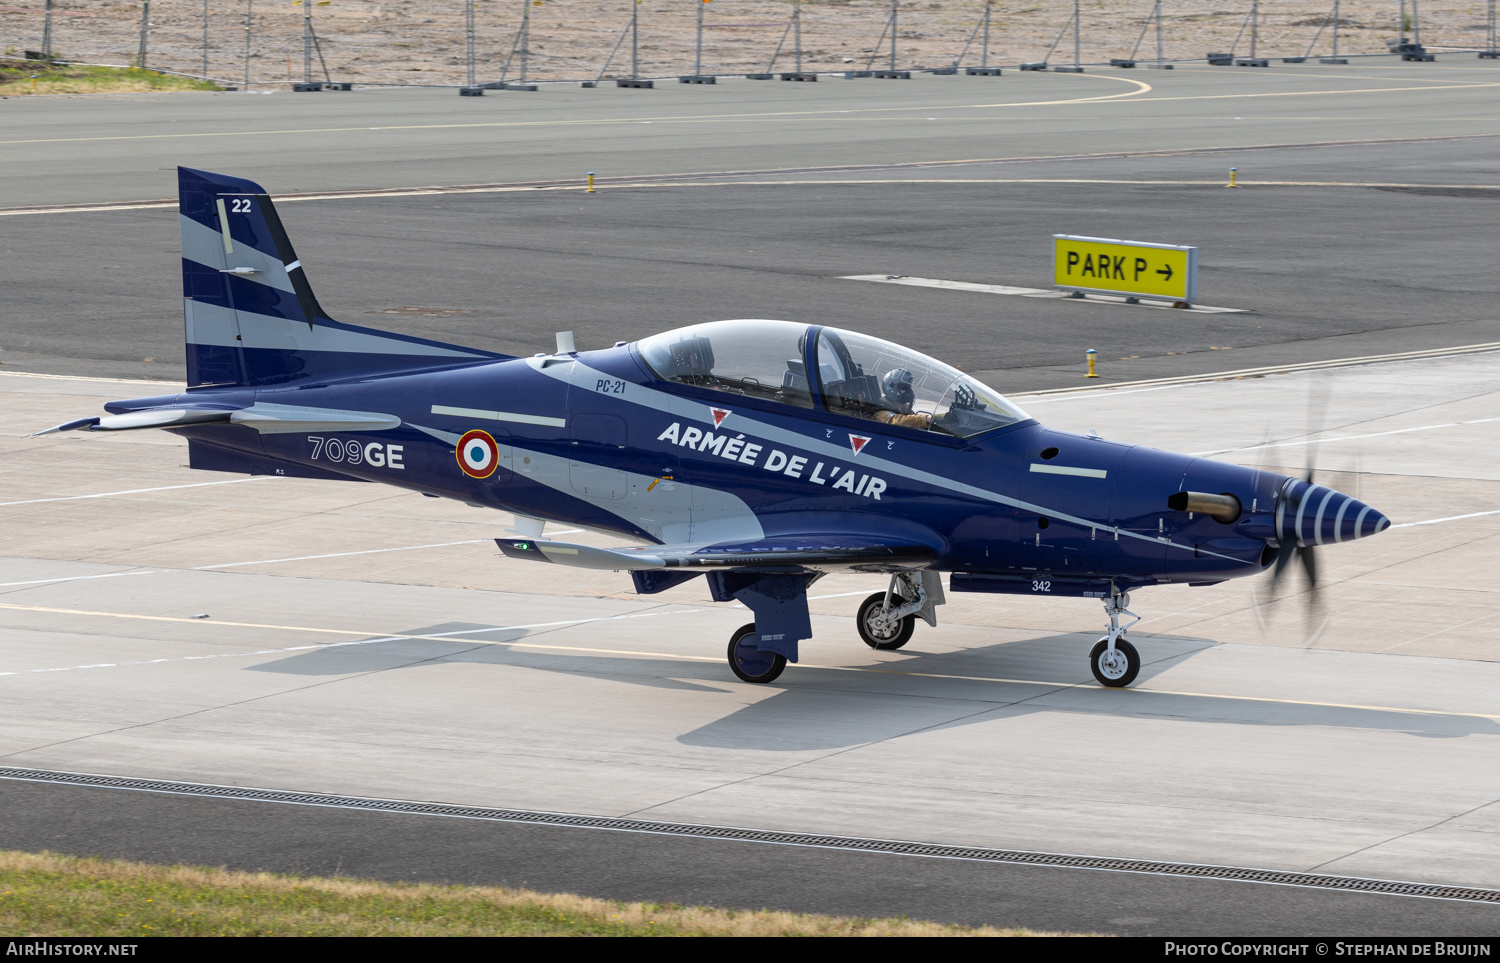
[1133,268]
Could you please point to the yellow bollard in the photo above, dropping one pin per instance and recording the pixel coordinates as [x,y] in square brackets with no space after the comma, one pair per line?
[591,184]
[1092,354]
[33,83]
[1231,183]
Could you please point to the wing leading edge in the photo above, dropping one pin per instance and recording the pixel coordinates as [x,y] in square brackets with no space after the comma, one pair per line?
[821,553]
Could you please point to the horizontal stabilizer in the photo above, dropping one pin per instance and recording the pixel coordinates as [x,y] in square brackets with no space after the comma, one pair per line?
[148,418]
[271,419]
[816,552]
[266,418]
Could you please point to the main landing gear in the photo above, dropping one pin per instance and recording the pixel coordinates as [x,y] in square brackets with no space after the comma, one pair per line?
[748,662]
[1116,662]
[885,621]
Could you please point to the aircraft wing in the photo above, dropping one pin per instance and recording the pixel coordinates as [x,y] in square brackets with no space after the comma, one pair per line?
[849,553]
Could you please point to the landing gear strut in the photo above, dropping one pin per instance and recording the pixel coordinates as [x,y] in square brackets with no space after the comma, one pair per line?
[886,619]
[748,662]
[1116,662]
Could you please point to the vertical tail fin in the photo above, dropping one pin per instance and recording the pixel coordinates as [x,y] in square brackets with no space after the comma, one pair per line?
[251,317]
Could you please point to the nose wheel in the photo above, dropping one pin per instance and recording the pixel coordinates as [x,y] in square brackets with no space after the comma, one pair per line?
[1115,667]
[1115,662]
[877,628]
[748,662]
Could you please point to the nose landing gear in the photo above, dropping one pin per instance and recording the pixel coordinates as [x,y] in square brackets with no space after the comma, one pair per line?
[1115,662]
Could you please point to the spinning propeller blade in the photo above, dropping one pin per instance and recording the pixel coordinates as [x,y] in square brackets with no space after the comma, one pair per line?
[1291,510]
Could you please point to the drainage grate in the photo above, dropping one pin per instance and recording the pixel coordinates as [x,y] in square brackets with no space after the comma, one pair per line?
[1350,884]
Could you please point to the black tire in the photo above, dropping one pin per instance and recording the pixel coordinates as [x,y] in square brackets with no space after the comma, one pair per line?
[891,640]
[1110,675]
[750,663]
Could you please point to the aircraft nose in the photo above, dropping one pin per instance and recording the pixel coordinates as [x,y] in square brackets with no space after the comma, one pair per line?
[1318,515]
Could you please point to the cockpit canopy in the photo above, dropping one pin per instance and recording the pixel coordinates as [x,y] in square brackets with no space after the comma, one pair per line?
[853,374]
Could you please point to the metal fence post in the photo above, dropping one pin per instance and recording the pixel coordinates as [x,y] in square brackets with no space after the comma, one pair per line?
[248,22]
[307,6]
[140,54]
[984,52]
[698,54]
[894,5]
[525,38]
[1077,29]
[469,39]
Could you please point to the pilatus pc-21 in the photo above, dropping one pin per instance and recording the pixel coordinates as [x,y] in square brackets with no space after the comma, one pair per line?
[760,455]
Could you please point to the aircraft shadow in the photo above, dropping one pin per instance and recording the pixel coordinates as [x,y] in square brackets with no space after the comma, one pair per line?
[811,708]
[480,645]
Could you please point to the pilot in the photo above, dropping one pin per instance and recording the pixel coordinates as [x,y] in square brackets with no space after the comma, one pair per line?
[898,396]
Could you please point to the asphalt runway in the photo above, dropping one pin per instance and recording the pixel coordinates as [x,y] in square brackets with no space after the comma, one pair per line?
[1355,233]
[506,271]
[630,866]
[310,636]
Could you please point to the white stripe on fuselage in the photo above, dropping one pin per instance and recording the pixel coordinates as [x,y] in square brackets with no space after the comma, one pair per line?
[510,416]
[678,406]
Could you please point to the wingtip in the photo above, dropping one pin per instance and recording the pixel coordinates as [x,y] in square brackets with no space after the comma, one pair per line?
[76,423]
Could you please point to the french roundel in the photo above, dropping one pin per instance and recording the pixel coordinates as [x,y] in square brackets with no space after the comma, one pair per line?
[477,454]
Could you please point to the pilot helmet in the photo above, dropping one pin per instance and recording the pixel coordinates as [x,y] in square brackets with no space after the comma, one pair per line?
[896,387]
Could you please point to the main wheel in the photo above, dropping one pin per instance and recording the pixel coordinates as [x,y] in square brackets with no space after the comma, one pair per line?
[879,635]
[1117,669]
[748,662]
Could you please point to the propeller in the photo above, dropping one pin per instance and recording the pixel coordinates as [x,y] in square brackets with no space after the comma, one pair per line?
[1293,550]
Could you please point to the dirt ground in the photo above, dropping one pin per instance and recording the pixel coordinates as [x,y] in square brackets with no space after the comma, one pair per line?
[422,41]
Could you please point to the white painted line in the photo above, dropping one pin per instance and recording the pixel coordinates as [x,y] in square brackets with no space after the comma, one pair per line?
[399,638]
[511,416]
[135,491]
[836,595]
[1339,438]
[112,381]
[1060,394]
[952,285]
[1450,518]
[1142,302]
[1068,470]
[368,551]
[74,578]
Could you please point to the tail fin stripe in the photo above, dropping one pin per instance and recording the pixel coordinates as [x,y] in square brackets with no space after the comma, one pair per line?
[224,227]
[233,291]
[251,316]
[202,246]
[214,324]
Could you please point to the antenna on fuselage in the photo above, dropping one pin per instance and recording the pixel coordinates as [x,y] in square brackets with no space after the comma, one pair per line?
[565,342]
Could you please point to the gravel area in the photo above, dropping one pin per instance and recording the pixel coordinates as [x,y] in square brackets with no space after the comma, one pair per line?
[422,41]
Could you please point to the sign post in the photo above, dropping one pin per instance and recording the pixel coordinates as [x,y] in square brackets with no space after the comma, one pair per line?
[1134,269]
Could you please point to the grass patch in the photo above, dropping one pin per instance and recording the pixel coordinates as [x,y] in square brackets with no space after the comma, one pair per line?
[15,79]
[43,894]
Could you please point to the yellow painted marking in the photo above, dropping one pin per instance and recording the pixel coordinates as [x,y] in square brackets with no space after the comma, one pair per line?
[653,484]
[1137,692]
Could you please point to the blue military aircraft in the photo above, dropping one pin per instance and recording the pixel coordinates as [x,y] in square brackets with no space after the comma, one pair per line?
[758,454]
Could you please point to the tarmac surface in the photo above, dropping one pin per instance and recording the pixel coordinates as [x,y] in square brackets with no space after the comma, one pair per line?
[311,636]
